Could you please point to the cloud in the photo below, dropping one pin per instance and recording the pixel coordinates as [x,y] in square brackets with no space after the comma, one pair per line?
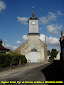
[43,20]
[24,37]
[42,37]
[18,42]
[2,6]
[10,47]
[50,41]
[53,29]
[53,41]
[50,17]
[23,20]
[60,13]
[14,47]
[3,44]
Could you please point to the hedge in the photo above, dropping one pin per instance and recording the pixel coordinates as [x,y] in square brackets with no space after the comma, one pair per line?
[6,59]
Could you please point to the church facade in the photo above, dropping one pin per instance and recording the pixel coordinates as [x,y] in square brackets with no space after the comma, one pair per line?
[34,49]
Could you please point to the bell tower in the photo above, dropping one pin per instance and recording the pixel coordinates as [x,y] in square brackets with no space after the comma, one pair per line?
[33,24]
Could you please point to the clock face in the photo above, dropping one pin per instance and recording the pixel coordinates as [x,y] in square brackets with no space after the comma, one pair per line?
[33,23]
[33,26]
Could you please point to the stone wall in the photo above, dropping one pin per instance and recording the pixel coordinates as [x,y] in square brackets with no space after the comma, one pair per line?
[33,42]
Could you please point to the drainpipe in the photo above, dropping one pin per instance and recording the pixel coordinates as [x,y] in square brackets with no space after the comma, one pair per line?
[45,50]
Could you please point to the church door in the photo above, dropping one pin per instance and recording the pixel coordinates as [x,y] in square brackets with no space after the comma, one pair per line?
[33,57]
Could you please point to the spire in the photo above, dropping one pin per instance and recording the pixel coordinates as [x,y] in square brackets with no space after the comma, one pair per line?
[33,16]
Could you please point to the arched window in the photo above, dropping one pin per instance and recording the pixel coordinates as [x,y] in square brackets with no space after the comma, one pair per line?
[33,50]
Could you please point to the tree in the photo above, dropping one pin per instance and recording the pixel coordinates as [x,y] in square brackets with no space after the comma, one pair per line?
[54,53]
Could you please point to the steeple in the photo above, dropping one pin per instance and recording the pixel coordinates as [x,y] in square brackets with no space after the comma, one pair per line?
[33,25]
[33,15]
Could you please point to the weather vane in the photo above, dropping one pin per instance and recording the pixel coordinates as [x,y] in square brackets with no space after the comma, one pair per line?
[33,7]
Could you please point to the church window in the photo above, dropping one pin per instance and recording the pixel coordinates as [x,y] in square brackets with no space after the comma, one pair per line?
[33,50]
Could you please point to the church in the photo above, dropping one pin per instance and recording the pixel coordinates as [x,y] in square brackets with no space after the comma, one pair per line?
[34,49]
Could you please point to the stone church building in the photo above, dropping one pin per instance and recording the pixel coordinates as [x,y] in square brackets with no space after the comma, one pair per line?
[34,49]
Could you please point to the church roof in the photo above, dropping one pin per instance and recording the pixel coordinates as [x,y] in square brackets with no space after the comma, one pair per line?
[18,50]
[33,16]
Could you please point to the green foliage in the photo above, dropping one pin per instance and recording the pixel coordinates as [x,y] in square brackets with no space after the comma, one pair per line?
[11,57]
[54,53]
[2,58]
[23,59]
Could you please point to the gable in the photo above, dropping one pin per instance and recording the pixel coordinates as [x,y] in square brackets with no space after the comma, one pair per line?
[18,50]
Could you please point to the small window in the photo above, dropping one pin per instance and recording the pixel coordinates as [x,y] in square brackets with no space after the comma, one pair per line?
[33,50]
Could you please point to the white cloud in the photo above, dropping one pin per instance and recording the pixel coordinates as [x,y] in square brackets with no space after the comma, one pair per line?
[7,46]
[51,41]
[59,27]
[43,20]
[2,6]
[3,44]
[51,16]
[18,42]
[53,29]
[59,13]
[42,37]
[10,47]
[14,47]
[23,20]
[24,37]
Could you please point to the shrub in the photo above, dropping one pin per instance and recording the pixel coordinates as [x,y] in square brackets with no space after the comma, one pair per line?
[11,57]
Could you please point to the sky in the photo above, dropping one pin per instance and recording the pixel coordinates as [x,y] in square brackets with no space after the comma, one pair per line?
[14,26]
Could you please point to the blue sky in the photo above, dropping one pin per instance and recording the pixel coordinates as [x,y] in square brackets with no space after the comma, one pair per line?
[14,15]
